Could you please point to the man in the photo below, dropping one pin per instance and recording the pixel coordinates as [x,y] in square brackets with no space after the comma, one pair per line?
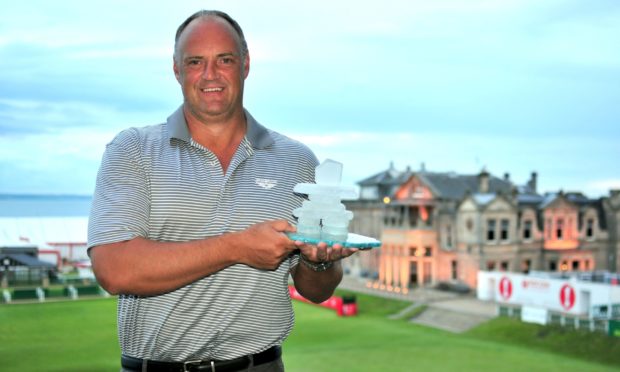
[189,219]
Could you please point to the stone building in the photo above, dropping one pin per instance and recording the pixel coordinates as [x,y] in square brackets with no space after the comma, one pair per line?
[444,227]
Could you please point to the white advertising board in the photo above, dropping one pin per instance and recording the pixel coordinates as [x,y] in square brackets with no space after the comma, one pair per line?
[534,315]
[566,296]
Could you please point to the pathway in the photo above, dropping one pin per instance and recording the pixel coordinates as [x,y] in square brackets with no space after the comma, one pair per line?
[445,310]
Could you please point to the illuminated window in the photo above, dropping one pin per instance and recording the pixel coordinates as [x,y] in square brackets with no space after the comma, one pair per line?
[491,230]
[504,225]
[559,229]
[564,266]
[527,229]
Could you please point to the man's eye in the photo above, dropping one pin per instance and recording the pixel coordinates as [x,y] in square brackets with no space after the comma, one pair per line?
[194,62]
[227,60]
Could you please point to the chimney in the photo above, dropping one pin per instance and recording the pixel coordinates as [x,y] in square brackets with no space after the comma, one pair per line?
[483,181]
[532,182]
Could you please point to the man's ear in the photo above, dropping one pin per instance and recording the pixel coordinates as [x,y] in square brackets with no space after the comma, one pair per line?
[175,68]
[246,66]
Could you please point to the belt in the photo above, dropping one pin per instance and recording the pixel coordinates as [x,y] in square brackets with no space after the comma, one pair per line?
[137,364]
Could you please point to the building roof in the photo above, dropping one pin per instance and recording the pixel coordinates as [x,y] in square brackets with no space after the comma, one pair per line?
[530,199]
[450,185]
[26,260]
[390,176]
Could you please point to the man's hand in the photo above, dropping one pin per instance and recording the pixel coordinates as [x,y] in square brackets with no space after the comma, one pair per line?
[265,245]
[323,252]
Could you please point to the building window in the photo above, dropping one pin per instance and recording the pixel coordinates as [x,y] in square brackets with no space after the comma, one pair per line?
[575,265]
[589,228]
[586,265]
[449,236]
[553,266]
[400,215]
[559,228]
[504,266]
[549,228]
[413,216]
[393,216]
[526,265]
[428,251]
[413,251]
[527,229]
[490,265]
[504,224]
[564,266]
[490,230]
[469,224]
[454,271]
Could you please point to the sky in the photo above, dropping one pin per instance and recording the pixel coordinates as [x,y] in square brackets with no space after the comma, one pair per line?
[448,85]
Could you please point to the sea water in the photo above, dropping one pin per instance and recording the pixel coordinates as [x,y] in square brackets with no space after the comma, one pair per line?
[12,205]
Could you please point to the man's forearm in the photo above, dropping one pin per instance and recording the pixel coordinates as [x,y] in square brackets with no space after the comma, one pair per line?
[317,286]
[144,267]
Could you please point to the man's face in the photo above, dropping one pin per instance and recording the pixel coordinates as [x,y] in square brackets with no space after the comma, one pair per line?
[211,70]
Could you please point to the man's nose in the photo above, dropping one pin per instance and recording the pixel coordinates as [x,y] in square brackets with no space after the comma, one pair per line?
[210,71]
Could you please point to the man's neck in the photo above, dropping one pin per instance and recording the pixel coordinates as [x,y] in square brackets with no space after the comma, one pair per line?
[221,136]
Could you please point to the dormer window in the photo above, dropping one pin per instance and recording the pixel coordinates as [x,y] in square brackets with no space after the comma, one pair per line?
[590,228]
[527,229]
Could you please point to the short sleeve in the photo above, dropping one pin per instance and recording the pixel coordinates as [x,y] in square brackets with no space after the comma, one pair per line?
[121,205]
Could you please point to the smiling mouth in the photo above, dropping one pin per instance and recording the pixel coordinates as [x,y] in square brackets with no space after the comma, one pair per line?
[211,90]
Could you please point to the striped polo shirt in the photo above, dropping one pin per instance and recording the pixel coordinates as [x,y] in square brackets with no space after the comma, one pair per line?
[156,182]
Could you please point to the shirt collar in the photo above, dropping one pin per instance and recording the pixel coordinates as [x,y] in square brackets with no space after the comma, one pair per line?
[257,134]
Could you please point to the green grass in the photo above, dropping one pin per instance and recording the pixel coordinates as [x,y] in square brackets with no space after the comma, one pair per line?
[81,336]
[581,344]
[321,341]
[63,336]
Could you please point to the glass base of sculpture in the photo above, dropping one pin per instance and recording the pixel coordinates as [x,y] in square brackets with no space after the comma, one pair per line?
[353,241]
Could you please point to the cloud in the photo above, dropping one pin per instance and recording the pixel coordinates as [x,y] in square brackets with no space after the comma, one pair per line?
[516,85]
[602,186]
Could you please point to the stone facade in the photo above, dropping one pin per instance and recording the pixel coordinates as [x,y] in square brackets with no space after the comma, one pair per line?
[444,227]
